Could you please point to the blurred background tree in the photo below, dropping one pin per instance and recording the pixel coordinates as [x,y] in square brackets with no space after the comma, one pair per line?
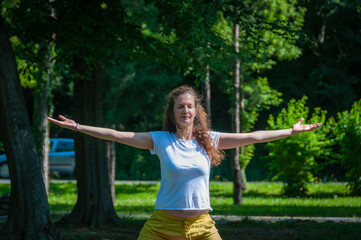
[321,40]
[327,70]
[139,50]
[29,214]
[165,46]
[33,50]
[263,32]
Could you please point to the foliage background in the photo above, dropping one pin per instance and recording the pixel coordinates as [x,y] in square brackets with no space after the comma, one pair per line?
[322,40]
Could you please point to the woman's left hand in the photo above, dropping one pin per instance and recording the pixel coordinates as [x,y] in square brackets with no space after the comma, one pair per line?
[298,128]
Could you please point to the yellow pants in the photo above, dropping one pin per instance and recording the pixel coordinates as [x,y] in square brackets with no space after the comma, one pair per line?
[163,226]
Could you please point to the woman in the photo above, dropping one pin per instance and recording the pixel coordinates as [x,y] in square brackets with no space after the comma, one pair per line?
[187,148]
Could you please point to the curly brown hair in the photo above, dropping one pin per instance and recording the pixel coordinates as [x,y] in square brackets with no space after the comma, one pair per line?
[201,124]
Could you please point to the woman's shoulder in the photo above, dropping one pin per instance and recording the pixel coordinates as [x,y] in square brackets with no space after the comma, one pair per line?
[159,133]
[161,137]
[213,134]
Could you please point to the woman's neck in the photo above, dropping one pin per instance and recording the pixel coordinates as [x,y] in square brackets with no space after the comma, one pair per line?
[185,133]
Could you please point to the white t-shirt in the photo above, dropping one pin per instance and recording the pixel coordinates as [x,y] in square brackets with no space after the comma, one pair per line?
[185,169]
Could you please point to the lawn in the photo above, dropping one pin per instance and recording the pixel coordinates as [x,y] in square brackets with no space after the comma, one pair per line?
[260,199]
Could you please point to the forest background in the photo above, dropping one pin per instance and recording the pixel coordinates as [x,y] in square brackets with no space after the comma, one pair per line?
[260,64]
[320,60]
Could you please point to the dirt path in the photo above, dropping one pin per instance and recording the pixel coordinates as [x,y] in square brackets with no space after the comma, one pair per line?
[222,219]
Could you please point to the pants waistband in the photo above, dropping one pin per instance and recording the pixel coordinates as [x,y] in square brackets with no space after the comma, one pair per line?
[163,213]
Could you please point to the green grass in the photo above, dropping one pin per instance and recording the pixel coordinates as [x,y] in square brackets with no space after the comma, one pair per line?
[266,199]
[261,199]
[249,230]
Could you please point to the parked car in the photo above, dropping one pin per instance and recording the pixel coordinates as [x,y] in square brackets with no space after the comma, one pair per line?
[61,158]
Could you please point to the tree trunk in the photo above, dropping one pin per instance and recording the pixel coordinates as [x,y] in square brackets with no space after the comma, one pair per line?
[29,215]
[111,166]
[206,89]
[94,205]
[41,135]
[242,128]
[236,170]
[42,96]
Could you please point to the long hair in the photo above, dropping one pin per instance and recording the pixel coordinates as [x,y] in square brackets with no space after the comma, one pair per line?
[201,124]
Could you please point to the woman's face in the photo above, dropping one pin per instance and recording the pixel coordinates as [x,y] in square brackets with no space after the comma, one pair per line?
[184,110]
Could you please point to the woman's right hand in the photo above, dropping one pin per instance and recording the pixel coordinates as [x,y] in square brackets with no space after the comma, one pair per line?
[65,123]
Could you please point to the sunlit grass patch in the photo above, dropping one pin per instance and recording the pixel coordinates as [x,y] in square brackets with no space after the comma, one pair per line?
[62,196]
[260,199]
[266,199]
[4,188]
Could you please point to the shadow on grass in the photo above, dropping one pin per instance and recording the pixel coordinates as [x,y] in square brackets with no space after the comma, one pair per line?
[124,209]
[128,231]
[244,210]
[245,230]
[121,209]
[259,194]
[290,230]
[291,211]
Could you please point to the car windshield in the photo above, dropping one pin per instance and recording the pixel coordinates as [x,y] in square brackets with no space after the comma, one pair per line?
[64,146]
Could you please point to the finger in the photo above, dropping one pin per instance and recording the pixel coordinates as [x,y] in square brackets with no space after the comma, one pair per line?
[62,117]
[54,121]
[50,119]
[315,126]
[300,121]
[312,128]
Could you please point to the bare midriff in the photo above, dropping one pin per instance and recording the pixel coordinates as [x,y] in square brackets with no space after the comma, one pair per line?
[186,213]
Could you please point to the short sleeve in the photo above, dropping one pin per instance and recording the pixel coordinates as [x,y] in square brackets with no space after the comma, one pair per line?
[215,137]
[155,138]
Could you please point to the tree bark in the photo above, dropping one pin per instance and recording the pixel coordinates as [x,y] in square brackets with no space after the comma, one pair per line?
[242,127]
[236,170]
[206,89]
[42,136]
[42,96]
[29,215]
[94,205]
[111,166]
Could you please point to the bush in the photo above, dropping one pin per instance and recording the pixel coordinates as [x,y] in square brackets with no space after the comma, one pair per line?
[293,158]
[346,133]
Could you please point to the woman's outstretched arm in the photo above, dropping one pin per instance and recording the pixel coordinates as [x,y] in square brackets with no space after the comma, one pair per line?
[139,140]
[233,140]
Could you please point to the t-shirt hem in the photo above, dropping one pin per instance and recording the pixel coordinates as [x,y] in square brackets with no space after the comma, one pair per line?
[160,208]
